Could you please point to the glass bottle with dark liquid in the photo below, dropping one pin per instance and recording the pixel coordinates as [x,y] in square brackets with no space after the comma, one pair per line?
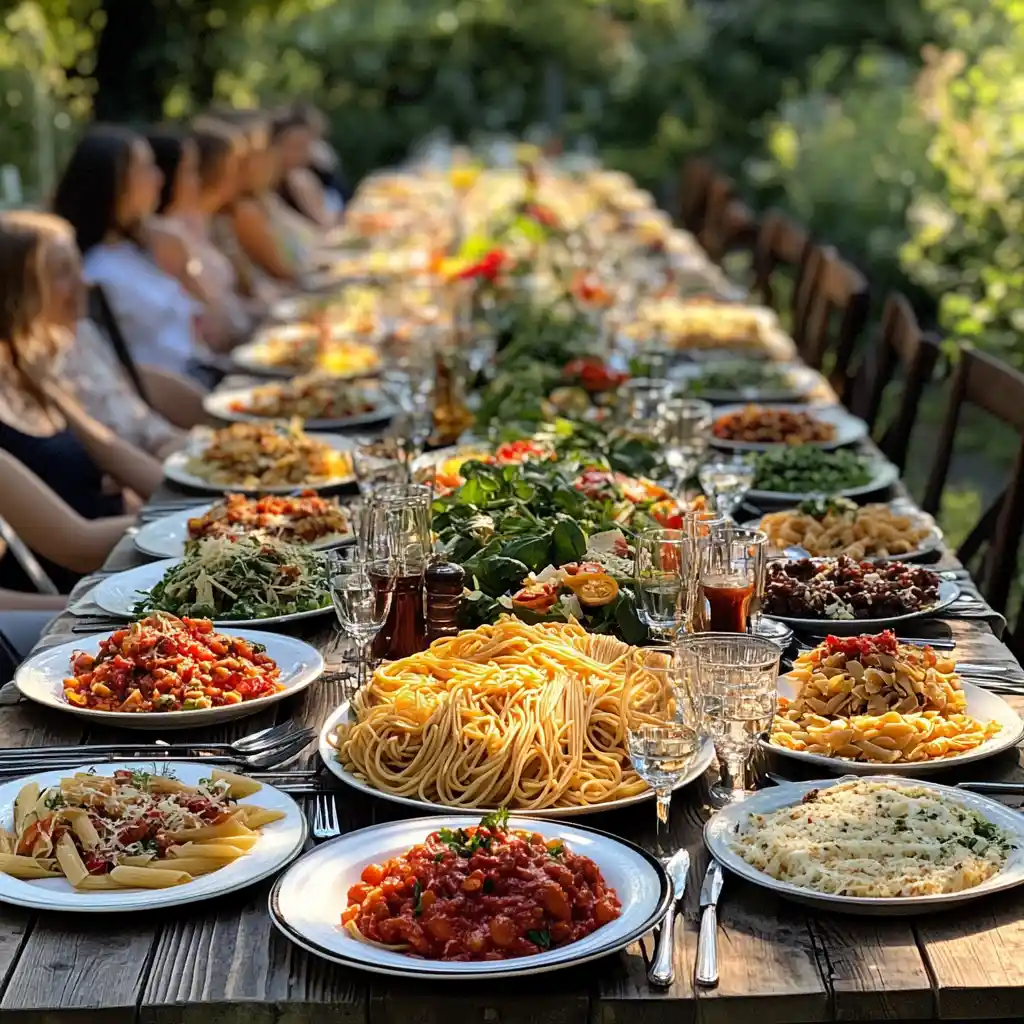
[444,583]
[728,602]
[404,631]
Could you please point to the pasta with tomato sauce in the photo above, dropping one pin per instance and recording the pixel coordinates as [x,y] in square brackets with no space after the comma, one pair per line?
[486,892]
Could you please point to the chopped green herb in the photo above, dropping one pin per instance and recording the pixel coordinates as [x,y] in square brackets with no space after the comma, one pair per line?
[540,938]
[53,801]
[438,857]
[488,885]
[417,898]
[557,850]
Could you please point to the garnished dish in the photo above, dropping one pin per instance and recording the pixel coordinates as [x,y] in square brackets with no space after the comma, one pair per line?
[807,469]
[712,325]
[740,379]
[304,517]
[846,589]
[295,353]
[758,424]
[828,527]
[509,715]
[162,663]
[314,396]
[246,578]
[870,698]
[486,892]
[264,455]
[131,829]
[875,839]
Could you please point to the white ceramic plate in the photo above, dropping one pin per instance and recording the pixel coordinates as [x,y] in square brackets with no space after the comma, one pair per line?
[176,470]
[307,901]
[41,678]
[948,593]
[219,404]
[981,704]
[927,546]
[166,537]
[117,594]
[722,829]
[342,714]
[884,474]
[849,429]
[252,356]
[279,842]
[800,381]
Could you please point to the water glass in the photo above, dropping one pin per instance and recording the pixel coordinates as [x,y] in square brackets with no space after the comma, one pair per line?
[732,563]
[664,725]
[402,513]
[377,464]
[726,482]
[362,593]
[662,562]
[640,399]
[684,429]
[736,677]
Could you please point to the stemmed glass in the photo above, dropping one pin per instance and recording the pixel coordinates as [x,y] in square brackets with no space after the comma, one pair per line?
[362,592]
[737,676]
[662,562]
[726,482]
[664,729]
[684,429]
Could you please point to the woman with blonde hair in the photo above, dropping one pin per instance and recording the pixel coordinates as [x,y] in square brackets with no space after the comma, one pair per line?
[66,477]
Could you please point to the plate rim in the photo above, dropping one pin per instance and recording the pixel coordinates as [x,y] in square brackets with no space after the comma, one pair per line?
[857,431]
[242,359]
[443,974]
[871,905]
[701,764]
[886,474]
[386,410]
[293,853]
[792,397]
[868,769]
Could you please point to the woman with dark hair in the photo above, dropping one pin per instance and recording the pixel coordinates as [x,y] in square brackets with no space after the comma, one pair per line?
[108,193]
[322,167]
[299,187]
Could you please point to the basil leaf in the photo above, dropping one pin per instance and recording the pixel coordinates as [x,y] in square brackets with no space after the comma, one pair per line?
[570,542]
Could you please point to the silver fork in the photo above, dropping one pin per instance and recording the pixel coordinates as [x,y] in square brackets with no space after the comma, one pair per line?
[325,817]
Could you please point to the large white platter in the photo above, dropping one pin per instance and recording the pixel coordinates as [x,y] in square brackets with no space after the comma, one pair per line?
[41,678]
[176,470]
[849,429]
[982,704]
[343,714]
[166,537]
[279,842]
[948,593]
[884,474]
[307,901]
[721,830]
[219,404]
[117,594]
[800,381]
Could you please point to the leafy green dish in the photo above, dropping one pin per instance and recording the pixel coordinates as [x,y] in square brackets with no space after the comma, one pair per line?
[251,577]
[806,469]
[743,375]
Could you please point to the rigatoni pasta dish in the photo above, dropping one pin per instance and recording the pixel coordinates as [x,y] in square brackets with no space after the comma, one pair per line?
[869,698]
[131,830]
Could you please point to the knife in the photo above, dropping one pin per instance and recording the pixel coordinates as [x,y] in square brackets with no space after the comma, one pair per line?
[707,942]
[662,972]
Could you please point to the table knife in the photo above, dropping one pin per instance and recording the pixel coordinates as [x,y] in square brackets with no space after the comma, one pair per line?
[707,942]
[662,972]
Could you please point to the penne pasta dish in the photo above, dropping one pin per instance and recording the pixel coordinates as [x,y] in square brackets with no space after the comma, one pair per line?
[131,830]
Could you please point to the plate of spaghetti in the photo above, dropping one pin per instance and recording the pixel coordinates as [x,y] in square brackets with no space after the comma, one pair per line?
[122,836]
[162,672]
[505,715]
[460,897]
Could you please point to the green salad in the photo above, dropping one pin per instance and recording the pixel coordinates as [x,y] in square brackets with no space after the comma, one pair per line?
[251,577]
[807,469]
[740,376]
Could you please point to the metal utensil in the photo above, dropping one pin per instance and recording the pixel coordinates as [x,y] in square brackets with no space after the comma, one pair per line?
[707,941]
[325,817]
[662,972]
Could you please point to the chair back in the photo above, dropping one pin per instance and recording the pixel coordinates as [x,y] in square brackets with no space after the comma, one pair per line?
[998,390]
[694,181]
[780,243]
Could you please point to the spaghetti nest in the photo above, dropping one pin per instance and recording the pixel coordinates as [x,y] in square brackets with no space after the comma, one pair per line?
[506,715]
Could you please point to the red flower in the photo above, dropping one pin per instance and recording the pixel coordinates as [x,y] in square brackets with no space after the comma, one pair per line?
[542,215]
[488,267]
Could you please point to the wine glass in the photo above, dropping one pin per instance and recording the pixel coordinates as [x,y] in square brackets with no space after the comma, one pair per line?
[661,567]
[726,482]
[361,591]
[684,429]
[732,570]
[641,398]
[663,718]
[737,676]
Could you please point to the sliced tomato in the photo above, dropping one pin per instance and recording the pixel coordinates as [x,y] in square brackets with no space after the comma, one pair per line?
[593,588]
[540,597]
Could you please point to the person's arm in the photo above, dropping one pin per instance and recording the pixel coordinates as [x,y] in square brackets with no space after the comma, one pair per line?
[257,240]
[51,527]
[308,194]
[18,601]
[177,399]
[171,253]
[129,466]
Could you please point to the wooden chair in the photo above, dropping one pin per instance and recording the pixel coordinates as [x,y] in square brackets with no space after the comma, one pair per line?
[830,310]
[997,389]
[728,223]
[694,182]
[781,243]
[901,346]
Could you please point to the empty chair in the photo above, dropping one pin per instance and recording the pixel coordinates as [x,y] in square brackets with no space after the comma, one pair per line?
[781,245]
[901,348]
[694,182]
[997,389]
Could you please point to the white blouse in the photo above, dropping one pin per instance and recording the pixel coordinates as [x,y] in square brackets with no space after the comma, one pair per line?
[155,314]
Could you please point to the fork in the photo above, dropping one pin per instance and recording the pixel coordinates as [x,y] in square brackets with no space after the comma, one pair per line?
[325,817]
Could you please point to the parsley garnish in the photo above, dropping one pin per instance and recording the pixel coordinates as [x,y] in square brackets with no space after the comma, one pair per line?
[497,821]
[438,857]
[54,801]
[556,851]
[488,885]
[140,779]
[900,825]
[540,938]
[417,898]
